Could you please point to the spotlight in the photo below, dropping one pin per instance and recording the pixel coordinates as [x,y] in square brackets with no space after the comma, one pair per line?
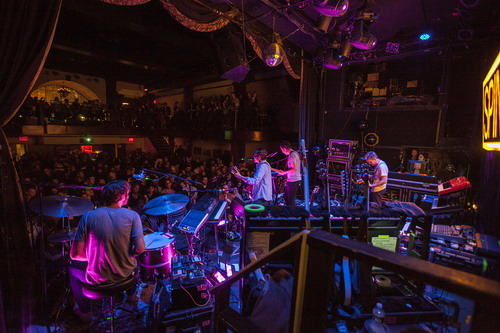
[273,55]
[371,139]
[324,23]
[425,36]
[333,59]
[345,49]
[361,38]
[333,8]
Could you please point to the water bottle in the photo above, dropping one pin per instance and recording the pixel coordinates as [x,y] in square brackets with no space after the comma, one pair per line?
[376,324]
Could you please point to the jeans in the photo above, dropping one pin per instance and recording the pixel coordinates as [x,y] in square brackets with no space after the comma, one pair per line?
[291,189]
[77,280]
[377,197]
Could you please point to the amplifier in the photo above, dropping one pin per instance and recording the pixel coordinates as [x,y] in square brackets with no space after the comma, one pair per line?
[408,187]
[265,233]
[342,148]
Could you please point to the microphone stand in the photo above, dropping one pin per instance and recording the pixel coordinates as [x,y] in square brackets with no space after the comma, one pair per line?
[74,187]
[189,181]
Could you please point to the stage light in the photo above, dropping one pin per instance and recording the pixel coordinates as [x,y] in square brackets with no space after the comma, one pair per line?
[361,38]
[425,36]
[371,139]
[273,55]
[87,140]
[333,59]
[345,49]
[332,8]
[218,275]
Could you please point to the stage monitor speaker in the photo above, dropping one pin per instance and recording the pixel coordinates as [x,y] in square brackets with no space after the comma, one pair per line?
[232,57]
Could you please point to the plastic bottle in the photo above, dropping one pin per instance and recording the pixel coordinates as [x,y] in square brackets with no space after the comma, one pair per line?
[376,324]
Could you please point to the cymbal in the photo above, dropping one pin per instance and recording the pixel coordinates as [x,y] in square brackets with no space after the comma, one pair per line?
[61,206]
[62,237]
[166,204]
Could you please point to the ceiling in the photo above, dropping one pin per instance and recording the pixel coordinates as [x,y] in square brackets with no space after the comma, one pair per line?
[145,44]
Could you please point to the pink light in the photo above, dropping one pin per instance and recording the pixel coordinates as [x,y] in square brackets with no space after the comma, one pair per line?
[229,270]
[219,277]
[221,223]
[130,139]
[23,138]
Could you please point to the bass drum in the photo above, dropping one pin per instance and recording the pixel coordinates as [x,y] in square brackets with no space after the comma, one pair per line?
[154,263]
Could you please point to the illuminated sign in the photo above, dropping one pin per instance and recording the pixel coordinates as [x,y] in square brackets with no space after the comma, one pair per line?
[23,138]
[86,149]
[130,139]
[491,107]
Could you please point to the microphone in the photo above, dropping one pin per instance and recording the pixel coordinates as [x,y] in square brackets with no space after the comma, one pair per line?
[140,177]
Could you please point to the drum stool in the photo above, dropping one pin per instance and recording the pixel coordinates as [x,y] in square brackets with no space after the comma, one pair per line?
[98,292]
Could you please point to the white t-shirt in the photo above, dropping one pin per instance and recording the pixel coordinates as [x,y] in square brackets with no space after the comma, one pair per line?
[293,160]
[380,170]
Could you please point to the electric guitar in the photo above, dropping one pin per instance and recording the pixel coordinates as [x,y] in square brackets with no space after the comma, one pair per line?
[248,188]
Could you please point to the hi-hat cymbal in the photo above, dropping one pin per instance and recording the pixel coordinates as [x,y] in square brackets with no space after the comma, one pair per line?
[62,237]
[61,206]
[166,204]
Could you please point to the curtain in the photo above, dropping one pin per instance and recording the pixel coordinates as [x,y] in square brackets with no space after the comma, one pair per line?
[25,37]
[489,196]
[27,30]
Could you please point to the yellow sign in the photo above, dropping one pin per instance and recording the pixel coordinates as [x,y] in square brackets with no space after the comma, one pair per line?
[491,107]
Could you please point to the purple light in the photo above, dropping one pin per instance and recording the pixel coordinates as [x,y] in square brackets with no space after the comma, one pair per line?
[344,7]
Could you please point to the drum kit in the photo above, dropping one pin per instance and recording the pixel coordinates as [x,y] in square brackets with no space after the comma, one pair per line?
[154,263]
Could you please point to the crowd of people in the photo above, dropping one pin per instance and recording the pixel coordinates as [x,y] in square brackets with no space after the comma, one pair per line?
[51,174]
[213,113]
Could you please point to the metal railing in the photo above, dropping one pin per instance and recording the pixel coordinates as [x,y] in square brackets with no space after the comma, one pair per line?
[314,253]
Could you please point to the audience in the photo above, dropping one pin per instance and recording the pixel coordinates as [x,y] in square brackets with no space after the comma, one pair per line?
[95,170]
[209,114]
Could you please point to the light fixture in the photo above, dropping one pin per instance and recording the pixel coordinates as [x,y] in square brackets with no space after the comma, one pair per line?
[333,59]
[425,36]
[345,48]
[361,38]
[333,8]
[273,55]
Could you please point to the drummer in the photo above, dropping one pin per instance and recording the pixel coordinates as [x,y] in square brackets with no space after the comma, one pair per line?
[105,244]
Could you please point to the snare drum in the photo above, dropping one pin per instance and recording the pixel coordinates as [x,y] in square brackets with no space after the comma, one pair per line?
[155,261]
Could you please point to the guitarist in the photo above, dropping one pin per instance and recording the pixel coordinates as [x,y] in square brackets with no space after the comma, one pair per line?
[379,181]
[262,181]
[293,176]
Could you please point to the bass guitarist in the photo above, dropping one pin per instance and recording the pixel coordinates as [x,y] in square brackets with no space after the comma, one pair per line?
[262,182]
[293,176]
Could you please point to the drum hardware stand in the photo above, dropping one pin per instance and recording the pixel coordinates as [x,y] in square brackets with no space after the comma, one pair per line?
[39,206]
